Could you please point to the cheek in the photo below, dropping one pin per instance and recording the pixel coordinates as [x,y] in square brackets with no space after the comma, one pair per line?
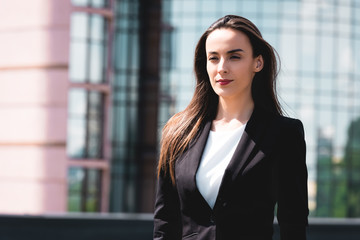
[210,71]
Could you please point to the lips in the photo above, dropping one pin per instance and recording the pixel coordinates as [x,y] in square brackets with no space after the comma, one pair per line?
[224,81]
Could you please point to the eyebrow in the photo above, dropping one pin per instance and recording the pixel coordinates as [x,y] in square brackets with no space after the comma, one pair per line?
[231,51]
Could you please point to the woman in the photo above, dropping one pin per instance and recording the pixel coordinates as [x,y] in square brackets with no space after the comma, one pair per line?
[230,156]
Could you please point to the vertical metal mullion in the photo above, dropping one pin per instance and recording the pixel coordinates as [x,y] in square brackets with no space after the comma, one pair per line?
[85,184]
[128,105]
[106,144]
[87,80]
[148,104]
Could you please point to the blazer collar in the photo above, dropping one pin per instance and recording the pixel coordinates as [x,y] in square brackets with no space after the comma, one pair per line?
[249,150]
[248,153]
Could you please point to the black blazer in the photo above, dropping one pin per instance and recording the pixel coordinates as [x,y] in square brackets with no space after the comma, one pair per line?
[268,167]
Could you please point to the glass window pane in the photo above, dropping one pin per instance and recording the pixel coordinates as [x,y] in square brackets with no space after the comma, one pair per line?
[93,194]
[208,6]
[356,49]
[79,25]
[290,25]
[344,12]
[84,190]
[190,6]
[288,53]
[98,28]
[76,123]
[326,54]
[88,48]
[326,84]
[77,102]
[76,138]
[309,26]
[80,2]
[291,7]
[308,9]
[97,63]
[75,178]
[85,124]
[91,3]
[250,6]
[95,125]
[270,7]
[345,56]
[78,62]
[308,62]
[99,3]
[327,10]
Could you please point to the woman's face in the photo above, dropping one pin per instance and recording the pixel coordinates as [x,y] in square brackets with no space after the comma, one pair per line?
[230,63]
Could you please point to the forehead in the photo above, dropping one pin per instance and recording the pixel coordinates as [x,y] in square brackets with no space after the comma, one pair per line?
[227,39]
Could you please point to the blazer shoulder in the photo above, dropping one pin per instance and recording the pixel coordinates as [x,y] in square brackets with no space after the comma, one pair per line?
[290,125]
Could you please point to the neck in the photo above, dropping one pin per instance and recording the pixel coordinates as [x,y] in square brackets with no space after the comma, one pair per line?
[232,113]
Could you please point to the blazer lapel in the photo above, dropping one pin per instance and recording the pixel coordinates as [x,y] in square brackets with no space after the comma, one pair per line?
[186,166]
[249,151]
[245,154]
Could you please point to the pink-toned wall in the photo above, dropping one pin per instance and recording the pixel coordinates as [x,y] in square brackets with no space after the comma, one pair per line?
[34,55]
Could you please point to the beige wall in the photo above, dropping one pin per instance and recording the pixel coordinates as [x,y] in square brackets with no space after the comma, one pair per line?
[34,54]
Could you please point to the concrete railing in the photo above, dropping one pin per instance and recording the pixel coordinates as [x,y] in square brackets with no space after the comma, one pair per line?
[135,227]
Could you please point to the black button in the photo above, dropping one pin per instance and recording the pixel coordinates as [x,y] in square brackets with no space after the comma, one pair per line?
[222,202]
[212,220]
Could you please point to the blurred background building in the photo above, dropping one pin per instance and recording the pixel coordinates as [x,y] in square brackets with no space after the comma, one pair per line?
[86,86]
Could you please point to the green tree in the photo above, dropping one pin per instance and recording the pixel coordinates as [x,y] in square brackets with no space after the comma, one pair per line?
[352,166]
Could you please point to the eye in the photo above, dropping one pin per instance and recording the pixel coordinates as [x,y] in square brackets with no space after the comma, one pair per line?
[234,57]
[213,58]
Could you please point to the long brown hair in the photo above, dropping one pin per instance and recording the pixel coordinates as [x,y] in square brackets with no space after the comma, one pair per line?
[184,126]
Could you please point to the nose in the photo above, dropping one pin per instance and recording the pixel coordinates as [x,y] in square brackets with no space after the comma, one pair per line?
[222,66]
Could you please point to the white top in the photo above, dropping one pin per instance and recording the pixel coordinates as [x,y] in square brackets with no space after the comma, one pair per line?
[219,149]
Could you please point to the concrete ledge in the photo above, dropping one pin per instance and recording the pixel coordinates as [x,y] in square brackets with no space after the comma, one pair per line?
[135,227]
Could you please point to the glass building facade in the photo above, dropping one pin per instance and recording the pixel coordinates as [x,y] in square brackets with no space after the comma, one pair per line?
[152,77]
[90,74]
[319,44]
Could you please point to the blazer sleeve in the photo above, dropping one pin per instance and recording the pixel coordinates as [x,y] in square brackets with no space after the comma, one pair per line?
[167,225]
[292,199]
